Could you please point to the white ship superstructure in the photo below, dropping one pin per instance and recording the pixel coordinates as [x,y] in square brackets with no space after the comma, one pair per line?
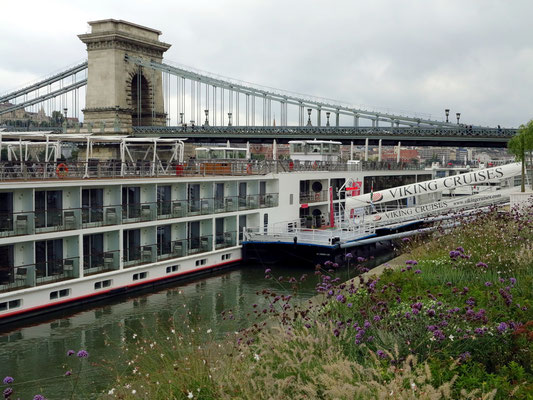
[127,212]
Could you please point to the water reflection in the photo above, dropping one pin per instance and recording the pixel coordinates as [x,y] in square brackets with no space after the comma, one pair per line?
[36,355]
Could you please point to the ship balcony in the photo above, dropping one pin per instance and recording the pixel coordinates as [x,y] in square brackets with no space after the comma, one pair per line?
[313,197]
[139,212]
[139,255]
[226,239]
[42,273]
[101,262]
[184,247]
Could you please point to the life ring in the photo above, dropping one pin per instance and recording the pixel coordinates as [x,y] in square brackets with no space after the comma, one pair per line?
[62,170]
[315,165]
[291,165]
[249,169]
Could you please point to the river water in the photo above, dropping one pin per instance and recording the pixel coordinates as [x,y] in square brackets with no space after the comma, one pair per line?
[35,355]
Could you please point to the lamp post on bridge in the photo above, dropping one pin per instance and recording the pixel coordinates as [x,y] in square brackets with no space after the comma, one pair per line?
[458,115]
[206,123]
[447,112]
[309,110]
[229,118]
[327,116]
[181,118]
[65,124]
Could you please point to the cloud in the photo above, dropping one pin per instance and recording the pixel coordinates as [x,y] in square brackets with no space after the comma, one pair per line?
[472,57]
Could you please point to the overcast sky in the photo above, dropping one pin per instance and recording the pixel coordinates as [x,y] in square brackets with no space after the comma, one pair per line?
[415,56]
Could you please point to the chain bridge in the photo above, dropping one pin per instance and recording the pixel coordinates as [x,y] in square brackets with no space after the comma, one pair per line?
[125,87]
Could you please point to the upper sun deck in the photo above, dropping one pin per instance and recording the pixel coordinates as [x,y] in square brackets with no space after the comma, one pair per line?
[45,156]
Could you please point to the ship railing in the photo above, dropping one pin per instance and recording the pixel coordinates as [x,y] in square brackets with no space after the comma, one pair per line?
[57,270]
[311,236]
[314,197]
[226,239]
[65,219]
[138,255]
[96,263]
[17,277]
[184,247]
[113,169]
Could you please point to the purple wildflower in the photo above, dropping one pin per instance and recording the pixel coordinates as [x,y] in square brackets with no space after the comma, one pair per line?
[377,318]
[361,259]
[336,333]
[460,249]
[465,356]
[268,271]
[348,256]
[39,397]
[431,313]
[70,352]
[405,239]
[8,392]
[341,298]
[487,284]
[82,354]
[366,324]
[411,262]
[513,281]
[502,327]
[381,354]
[481,265]
[68,373]
[418,271]
[349,305]
[8,380]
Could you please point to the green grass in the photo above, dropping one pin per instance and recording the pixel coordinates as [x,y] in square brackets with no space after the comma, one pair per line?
[441,333]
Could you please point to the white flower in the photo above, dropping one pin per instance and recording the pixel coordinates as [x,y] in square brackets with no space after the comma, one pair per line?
[134,335]
[256,356]
[451,337]
[111,391]
[209,330]
[190,395]
[133,391]
[432,338]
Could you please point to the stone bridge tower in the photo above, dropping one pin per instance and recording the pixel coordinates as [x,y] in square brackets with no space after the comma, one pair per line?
[118,90]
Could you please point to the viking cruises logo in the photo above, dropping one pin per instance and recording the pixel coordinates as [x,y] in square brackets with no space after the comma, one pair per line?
[377,217]
[377,197]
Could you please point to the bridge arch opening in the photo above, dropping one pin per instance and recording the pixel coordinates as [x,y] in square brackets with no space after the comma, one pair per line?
[141,100]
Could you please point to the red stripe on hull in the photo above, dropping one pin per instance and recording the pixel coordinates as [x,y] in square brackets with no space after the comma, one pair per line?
[103,292]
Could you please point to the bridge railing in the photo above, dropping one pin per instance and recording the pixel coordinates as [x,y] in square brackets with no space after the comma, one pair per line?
[310,131]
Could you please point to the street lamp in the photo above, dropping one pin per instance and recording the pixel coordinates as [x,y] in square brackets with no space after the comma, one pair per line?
[181,118]
[458,115]
[65,125]
[447,112]
[206,123]
[309,110]
[229,119]
[327,116]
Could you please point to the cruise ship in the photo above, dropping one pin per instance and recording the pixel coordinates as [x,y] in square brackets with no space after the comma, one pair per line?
[86,217]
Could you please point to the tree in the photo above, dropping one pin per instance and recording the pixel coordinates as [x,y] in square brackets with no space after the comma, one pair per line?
[521,145]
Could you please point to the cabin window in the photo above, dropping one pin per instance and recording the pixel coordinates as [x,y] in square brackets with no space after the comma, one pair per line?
[6,266]
[201,262]
[164,200]
[172,268]
[164,239]
[131,244]
[6,211]
[131,202]
[93,251]
[92,205]
[48,208]
[49,257]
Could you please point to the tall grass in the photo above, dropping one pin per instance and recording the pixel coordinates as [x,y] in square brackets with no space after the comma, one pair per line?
[455,321]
